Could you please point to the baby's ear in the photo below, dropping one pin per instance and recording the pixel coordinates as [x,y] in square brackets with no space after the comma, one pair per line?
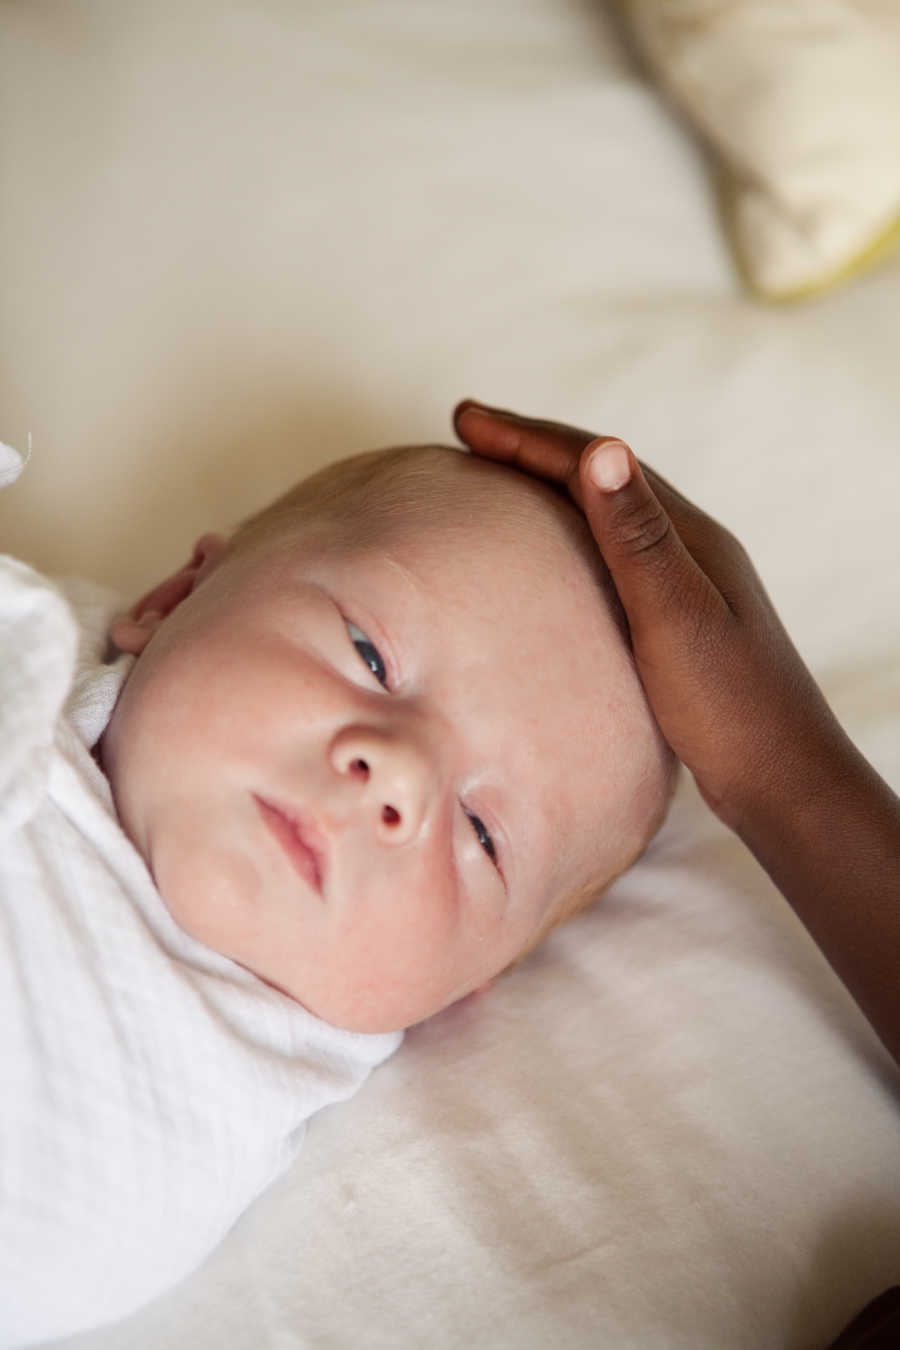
[132,631]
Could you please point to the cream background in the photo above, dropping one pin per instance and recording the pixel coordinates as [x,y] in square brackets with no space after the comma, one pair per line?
[238,240]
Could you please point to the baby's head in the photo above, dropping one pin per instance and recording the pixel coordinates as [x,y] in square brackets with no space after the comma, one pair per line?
[377,743]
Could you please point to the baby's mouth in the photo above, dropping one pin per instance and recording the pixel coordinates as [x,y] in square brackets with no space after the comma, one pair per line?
[289,833]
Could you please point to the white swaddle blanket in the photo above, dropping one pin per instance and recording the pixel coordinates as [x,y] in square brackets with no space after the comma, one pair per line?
[149,1087]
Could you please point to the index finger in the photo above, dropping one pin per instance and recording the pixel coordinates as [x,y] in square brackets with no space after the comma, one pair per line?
[548,449]
[551,450]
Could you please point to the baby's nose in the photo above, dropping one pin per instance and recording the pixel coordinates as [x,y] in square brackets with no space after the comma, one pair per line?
[395,779]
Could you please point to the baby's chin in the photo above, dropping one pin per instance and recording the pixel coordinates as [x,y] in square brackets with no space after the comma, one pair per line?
[365,1005]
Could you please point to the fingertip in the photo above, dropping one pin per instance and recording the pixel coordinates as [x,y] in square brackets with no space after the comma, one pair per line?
[467,405]
[484,431]
[460,408]
[608,464]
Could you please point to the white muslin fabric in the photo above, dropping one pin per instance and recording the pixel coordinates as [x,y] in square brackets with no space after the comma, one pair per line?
[150,1088]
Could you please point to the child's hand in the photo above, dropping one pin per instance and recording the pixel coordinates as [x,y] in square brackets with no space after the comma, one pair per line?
[735,701]
[727,686]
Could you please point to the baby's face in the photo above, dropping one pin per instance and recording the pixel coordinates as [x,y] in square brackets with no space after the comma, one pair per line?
[367,773]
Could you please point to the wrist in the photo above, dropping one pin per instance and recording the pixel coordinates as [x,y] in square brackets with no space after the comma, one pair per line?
[800,776]
[821,804]
[830,841]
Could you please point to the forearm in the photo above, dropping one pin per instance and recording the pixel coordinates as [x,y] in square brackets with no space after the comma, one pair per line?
[830,840]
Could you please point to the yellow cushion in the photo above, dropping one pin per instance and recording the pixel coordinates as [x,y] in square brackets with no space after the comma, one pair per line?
[799,101]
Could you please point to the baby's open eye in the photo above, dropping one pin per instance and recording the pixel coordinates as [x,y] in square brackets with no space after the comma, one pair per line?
[483,836]
[368,653]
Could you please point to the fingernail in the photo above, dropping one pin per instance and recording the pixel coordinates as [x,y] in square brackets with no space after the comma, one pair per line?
[609,466]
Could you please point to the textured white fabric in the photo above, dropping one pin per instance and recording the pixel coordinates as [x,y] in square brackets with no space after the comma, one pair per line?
[240,240]
[149,1088]
[10,465]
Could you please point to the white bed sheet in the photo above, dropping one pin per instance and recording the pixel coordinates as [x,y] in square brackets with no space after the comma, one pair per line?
[241,239]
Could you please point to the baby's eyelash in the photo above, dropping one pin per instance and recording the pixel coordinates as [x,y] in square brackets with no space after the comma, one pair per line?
[368,653]
[371,657]
[483,835]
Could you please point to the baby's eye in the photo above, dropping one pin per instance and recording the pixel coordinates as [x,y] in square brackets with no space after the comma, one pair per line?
[368,653]
[483,836]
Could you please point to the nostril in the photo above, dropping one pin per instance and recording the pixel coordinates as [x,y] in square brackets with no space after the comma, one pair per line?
[389,815]
[359,768]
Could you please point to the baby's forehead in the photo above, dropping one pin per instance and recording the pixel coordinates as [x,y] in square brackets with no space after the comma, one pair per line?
[490,545]
[452,498]
[455,499]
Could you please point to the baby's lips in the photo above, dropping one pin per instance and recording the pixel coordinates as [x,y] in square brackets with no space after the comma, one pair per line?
[299,839]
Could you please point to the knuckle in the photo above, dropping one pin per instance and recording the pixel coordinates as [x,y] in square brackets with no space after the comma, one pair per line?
[730,544]
[641,527]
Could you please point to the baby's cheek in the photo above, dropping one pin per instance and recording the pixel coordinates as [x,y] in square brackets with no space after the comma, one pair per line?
[209,883]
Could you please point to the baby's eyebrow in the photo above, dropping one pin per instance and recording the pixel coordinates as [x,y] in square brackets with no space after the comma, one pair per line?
[404,574]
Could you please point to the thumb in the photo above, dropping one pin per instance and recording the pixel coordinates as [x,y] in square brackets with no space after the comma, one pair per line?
[665,593]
